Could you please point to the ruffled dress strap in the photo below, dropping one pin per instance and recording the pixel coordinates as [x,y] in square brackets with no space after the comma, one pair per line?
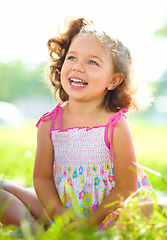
[52,114]
[114,120]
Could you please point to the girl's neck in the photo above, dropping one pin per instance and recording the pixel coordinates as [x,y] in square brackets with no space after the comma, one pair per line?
[84,109]
[81,115]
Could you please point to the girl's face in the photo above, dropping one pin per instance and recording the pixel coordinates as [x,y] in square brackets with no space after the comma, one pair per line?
[87,70]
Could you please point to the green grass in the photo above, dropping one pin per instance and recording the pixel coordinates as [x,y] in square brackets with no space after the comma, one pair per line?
[130,225]
[17,153]
[151,151]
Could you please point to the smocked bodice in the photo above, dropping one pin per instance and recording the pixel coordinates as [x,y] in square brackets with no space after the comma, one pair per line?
[83,160]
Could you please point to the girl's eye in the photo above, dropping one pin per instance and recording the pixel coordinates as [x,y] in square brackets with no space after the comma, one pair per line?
[93,63]
[72,58]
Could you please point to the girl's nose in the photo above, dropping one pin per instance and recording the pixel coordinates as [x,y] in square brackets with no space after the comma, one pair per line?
[78,68]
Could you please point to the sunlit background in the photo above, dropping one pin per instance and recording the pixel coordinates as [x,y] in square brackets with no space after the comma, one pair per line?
[25,27]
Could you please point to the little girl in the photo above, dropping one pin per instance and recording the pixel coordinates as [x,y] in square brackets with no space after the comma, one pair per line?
[85,151]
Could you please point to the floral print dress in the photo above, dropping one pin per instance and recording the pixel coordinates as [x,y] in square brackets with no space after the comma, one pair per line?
[83,160]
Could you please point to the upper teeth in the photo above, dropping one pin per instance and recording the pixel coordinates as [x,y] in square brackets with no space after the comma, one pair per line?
[76,80]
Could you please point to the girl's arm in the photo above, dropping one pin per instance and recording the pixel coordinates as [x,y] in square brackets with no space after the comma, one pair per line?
[124,161]
[43,172]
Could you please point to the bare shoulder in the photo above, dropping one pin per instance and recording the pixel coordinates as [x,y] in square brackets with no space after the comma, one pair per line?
[123,128]
[45,126]
[44,130]
[123,141]
[123,123]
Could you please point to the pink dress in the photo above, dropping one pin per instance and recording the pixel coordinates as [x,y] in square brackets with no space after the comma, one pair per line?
[83,161]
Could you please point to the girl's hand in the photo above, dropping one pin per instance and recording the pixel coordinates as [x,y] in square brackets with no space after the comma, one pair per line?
[68,216]
[61,211]
[78,224]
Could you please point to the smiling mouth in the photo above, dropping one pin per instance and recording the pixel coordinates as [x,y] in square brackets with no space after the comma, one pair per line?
[78,82]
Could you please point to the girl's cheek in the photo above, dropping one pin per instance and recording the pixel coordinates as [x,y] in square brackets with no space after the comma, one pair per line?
[64,70]
[62,73]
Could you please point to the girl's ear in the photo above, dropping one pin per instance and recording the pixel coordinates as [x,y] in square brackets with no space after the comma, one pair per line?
[117,79]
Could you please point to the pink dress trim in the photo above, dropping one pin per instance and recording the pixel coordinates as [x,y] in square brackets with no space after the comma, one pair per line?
[52,114]
[114,120]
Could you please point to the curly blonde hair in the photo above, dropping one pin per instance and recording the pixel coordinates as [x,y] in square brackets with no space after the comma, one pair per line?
[123,96]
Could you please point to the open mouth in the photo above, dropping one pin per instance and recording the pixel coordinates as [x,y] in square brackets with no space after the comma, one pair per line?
[78,82]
